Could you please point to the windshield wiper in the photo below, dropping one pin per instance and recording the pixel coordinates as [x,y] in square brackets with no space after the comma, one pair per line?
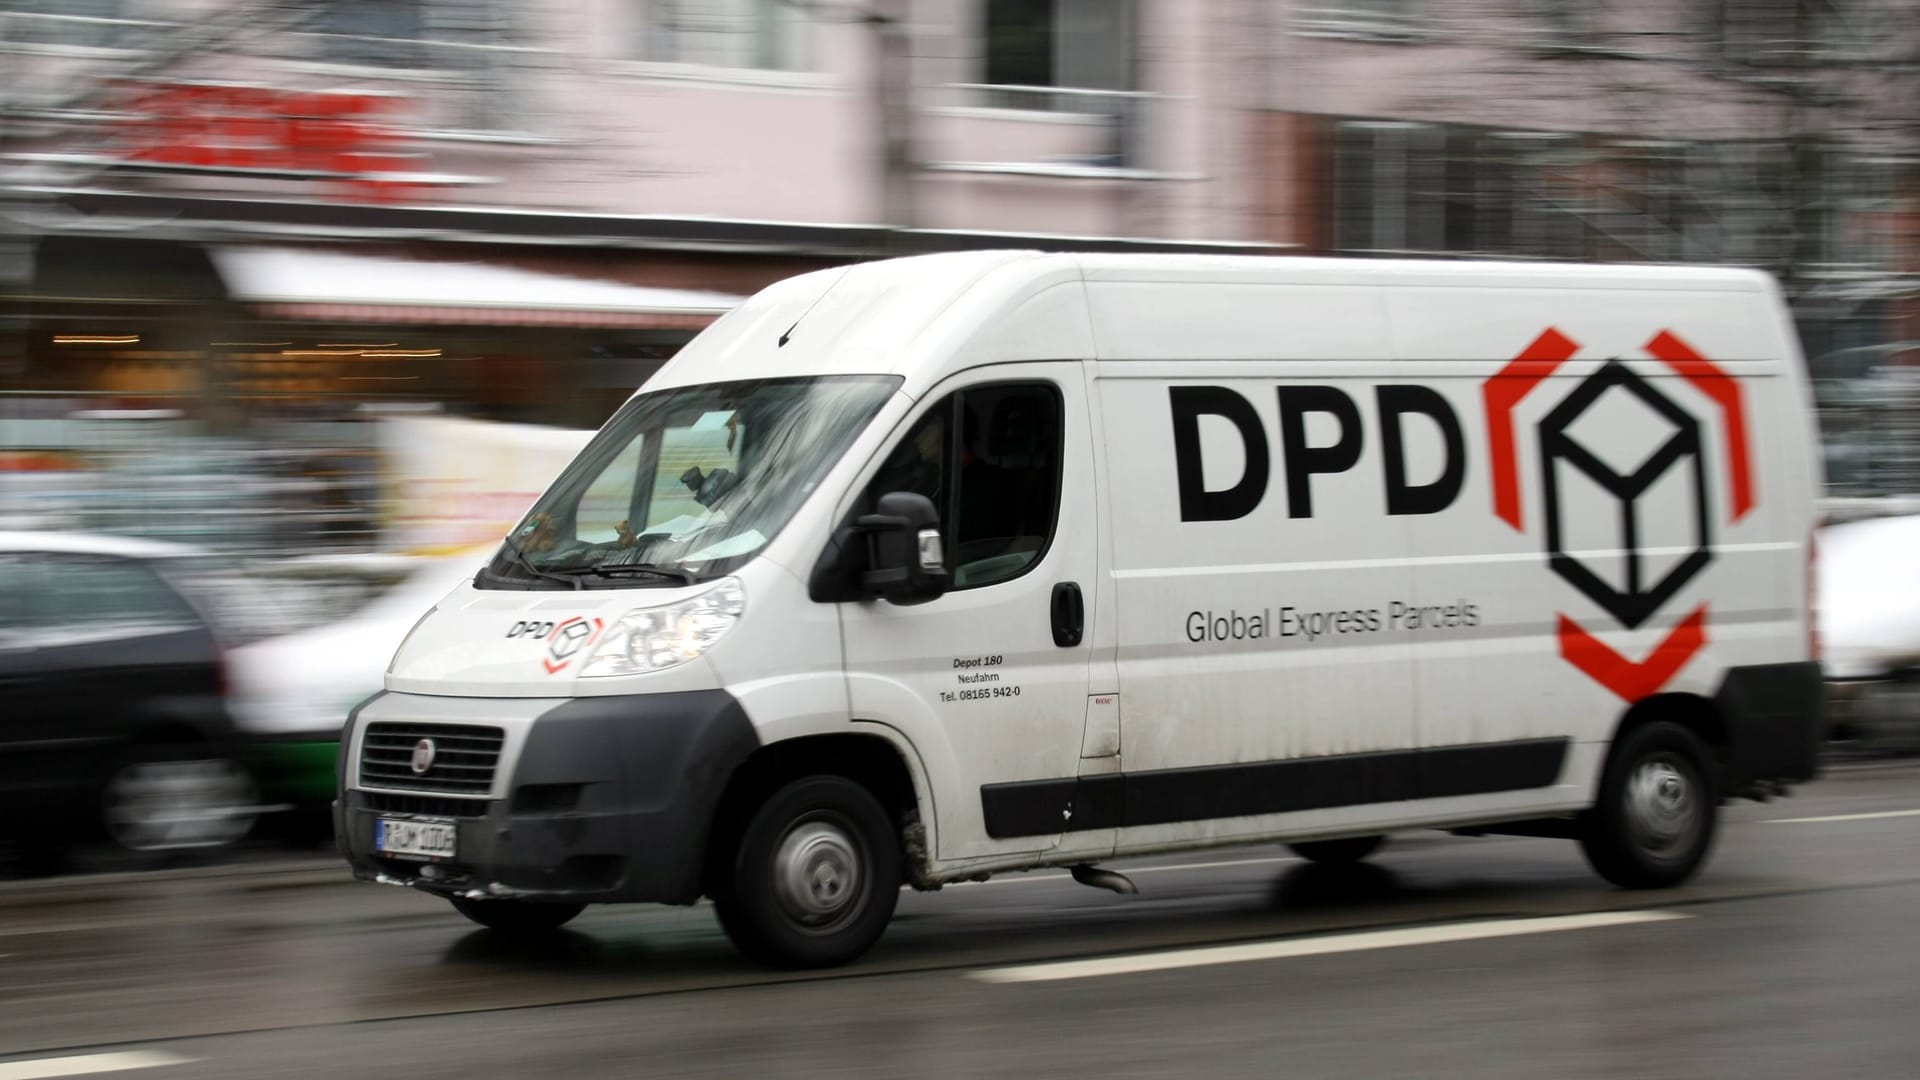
[613,570]
[520,559]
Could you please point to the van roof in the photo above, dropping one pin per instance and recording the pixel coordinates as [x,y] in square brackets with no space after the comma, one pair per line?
[899,316]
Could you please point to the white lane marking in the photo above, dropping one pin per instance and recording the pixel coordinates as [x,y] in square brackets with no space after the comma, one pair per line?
[1024,878]
[88,1064]
[1840,817]
[1317,946]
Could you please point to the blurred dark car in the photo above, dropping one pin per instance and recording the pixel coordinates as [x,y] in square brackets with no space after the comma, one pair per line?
[112,719]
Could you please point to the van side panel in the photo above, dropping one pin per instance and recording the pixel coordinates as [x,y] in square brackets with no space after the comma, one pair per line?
[1249,596]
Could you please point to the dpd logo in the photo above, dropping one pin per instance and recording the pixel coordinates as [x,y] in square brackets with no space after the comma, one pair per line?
[566,640]
[1678,455]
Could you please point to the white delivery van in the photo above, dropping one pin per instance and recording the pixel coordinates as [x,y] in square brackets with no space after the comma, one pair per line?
[930,569]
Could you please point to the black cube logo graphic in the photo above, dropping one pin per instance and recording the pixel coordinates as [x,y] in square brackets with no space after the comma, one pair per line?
[568,638]
[1627,459]
[1677,445]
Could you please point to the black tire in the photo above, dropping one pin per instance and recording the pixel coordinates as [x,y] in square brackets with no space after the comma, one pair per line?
[39,857]
[1342,852]
[1654,821]
[813,877]
[517,917]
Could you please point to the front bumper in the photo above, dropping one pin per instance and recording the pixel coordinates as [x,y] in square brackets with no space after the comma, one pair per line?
[594,799]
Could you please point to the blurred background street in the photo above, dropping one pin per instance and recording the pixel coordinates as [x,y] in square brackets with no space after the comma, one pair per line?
[303,304]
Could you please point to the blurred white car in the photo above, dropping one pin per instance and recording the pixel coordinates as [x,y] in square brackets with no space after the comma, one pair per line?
[291,694]
[1869,579]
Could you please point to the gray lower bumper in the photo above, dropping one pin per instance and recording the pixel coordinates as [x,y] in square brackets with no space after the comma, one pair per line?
[605,799]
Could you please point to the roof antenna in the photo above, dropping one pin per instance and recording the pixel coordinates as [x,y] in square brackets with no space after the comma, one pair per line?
[788,336]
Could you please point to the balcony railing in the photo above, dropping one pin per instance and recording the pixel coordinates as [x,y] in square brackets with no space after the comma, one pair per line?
[1103,134]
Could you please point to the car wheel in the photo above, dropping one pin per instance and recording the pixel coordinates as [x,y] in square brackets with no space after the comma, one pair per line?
[814,877]
[1654,820]
[1341,852]
[171,798]
[518,916]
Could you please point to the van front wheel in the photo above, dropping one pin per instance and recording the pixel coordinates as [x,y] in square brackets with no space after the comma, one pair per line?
[1654,821]
[814,877]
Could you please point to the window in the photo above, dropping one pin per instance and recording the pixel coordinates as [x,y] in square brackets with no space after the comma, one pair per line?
[694,459]
[1738,203]
[96,596]
[1569,24]
[1020,42]
[1857,204]
[1388,180]
[1767,33]
[1641,202]
[1388,20]
[410,33]
[989,458]
[1790,32]
[23,595]
[374,32]
[687,483]
[765,34]
[1081,44]
[1424,187]
[93,23]
[608,501]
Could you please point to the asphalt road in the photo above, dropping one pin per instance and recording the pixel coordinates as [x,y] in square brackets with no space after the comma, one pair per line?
[1794,954]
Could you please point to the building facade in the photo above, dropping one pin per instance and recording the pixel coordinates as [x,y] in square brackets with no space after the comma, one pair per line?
[546,198]
[1782,134]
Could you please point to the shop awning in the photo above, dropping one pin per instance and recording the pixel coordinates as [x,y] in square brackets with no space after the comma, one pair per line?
[330,286]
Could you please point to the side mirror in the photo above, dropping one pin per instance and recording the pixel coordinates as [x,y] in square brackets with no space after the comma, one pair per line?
[906,562]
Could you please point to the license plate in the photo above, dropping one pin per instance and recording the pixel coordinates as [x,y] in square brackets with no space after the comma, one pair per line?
[402,836]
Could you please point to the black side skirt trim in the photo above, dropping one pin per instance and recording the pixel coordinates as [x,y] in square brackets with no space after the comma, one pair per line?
[1045,807]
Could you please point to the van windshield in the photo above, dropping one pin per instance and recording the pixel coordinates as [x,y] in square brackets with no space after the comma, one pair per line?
[686,484]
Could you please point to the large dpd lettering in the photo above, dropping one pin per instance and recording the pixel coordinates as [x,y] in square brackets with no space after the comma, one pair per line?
[1403,498]
[1301,458]
[1189,404]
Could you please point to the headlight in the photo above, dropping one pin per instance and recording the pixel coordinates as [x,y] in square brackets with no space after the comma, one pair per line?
[654,639]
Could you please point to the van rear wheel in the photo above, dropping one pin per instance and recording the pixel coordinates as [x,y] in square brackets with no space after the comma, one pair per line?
[1653,823]
[1342,852]
[814,876]
[518,917]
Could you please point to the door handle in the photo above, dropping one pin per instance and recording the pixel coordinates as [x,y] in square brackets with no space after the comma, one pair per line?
[1069,615]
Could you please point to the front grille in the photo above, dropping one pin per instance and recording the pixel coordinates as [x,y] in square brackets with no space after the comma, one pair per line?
[463,761]
[381,802]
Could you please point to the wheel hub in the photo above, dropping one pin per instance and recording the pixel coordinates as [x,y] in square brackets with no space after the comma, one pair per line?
[817,873]
[1662,806]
